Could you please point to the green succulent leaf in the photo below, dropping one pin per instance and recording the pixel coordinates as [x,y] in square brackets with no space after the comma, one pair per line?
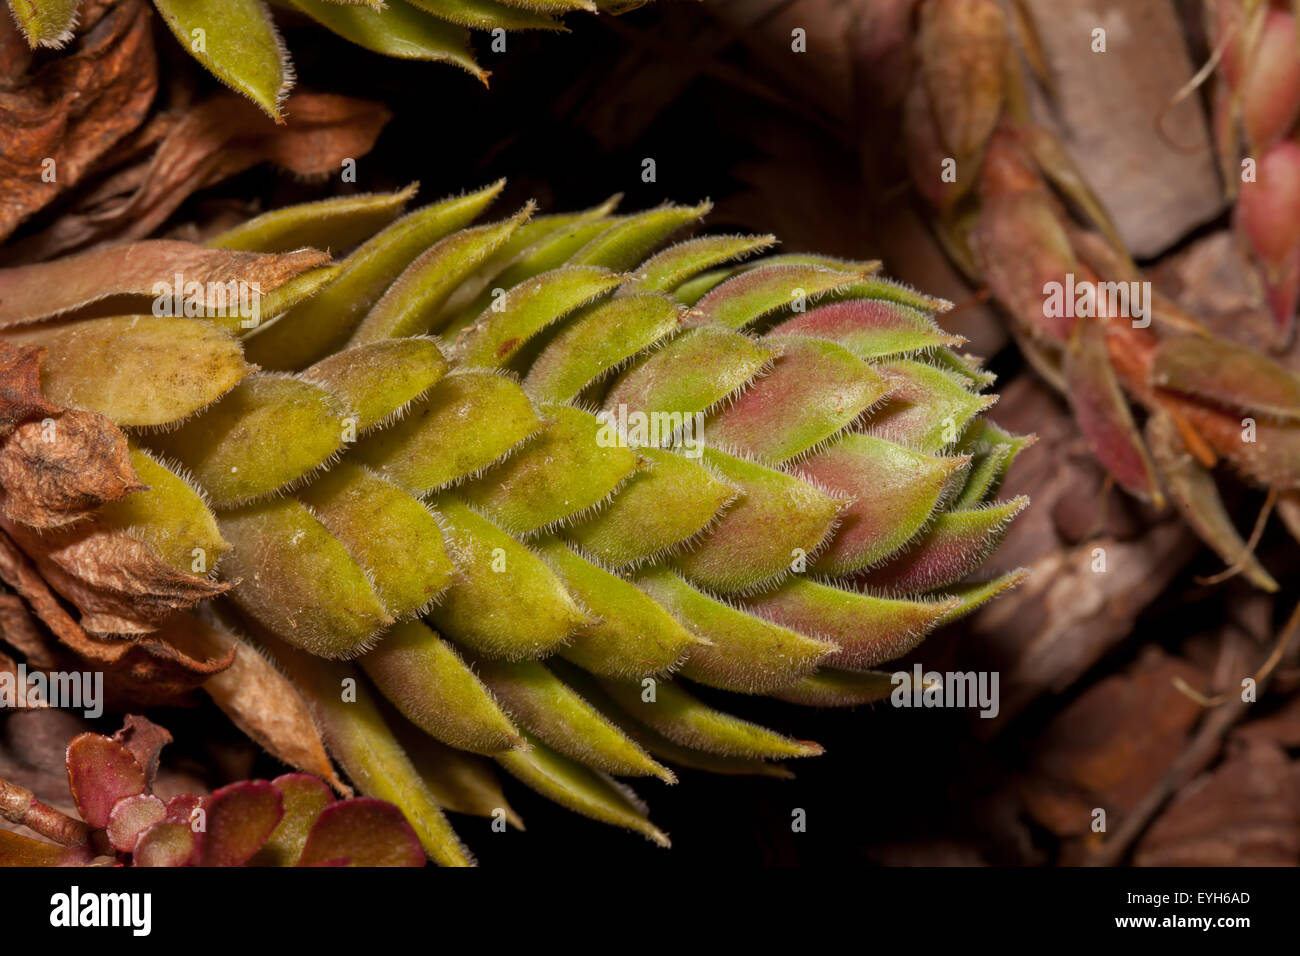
[237,42]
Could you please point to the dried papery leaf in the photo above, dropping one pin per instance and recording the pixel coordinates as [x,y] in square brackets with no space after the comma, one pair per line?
[117,582]
[73,109]
[259,699]
[239,819]
[130,817]
[363,832]
[20,631]
[303,798]
[146,670]
[20,386]
[29,293]
[59,470]
[217,139]
[101,772]
[145,740]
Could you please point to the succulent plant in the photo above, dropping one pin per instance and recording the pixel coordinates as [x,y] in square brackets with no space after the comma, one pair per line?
[293,820]
[517,489]
[1017,216]
[238,43]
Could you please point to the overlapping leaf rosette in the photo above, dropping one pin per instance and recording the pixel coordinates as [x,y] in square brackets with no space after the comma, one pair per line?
[539,492]
[293,820]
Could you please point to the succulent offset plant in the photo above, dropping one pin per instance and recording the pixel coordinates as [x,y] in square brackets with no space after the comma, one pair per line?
[1256,109]
[529,480]
[237,40]
[1011,219]
[293,820]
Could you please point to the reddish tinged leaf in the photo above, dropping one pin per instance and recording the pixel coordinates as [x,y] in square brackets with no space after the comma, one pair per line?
[776,519]
[101,771]
[765,289]
[364,832]
[1270,93]
[892,491]
[869,630]
[304,798]
[869,328]
[132,816]
[166,843]
[814,390]
[1268,210]
[1103,413]
[59,470]
[927,408]
[240,818]
[691,374]
[20,386]
[1018,242]
[145,740]
[954,545]
[180,809]
[29,293]
[1226,374]
[1268,215]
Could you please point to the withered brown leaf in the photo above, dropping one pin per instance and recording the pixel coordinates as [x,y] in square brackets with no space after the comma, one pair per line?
[72,109]
[145,740]
[34,292]
[115,580]
[20,386]
[257,698]
[21,632]
[1245,813]
[139,672]
[54,474]
[210,142]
